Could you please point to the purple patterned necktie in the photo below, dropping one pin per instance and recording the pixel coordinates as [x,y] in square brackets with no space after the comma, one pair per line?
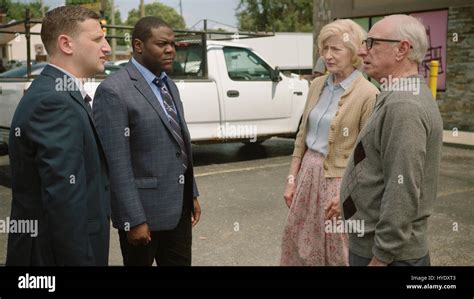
[173,118]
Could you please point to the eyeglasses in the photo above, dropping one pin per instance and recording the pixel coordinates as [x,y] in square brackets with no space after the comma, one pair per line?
[370,42]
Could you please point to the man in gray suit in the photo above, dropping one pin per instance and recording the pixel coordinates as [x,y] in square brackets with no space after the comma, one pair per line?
[140,119]
[389,186]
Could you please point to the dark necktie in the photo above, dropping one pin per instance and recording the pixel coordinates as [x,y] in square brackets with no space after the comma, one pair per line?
[88,101]
[173,118]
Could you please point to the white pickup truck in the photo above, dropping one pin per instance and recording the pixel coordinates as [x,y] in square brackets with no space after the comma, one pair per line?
[232,95]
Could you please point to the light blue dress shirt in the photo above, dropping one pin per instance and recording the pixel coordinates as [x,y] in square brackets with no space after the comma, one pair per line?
[322,114]
[149,78]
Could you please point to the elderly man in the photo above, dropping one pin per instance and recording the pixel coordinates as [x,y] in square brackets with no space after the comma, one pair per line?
[391,180]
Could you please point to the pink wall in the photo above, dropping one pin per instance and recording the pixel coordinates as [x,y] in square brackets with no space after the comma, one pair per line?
[438,25]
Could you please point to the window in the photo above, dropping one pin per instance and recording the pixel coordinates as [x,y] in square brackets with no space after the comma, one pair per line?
[188,62]
[243,65]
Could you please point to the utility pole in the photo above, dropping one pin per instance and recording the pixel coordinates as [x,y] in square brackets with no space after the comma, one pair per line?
[103,8]
[28,41]
[142,8]
[321,17]
[42,8]
[112,22]
[181,8]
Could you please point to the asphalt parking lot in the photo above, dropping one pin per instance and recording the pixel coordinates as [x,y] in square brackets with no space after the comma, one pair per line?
[243,216]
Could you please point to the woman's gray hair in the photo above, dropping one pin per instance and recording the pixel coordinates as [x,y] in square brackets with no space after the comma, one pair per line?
[412,29]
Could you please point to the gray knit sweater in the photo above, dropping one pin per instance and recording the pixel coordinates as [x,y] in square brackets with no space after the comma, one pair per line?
[391,179]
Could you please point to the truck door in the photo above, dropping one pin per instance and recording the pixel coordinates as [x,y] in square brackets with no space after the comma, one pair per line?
[198,93]
[249,94]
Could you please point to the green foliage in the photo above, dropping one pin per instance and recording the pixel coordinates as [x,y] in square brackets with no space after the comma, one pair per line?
[79,2]
[158,9]
[16,10]
[108,10]
[107,13]
[281,16]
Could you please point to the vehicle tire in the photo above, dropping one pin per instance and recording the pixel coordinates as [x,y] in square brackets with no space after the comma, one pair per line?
[257,142]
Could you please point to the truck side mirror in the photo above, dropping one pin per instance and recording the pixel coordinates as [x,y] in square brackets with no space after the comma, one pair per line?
[275,74]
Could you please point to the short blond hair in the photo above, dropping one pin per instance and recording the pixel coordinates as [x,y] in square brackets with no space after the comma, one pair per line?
[351,33]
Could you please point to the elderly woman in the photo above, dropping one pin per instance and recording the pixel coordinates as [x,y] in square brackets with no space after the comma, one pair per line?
[338,106]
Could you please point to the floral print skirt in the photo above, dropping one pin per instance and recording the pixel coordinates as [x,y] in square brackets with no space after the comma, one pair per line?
[305,241]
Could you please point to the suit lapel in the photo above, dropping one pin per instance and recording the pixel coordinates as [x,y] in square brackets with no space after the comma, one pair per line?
[144,88]
[77,96]
[55,73]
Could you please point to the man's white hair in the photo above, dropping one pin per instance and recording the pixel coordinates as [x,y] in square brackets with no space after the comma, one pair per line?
[411,29]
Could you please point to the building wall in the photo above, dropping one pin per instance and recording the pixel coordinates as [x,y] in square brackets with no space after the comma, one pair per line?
[18,45]
[366,8]
[457,103]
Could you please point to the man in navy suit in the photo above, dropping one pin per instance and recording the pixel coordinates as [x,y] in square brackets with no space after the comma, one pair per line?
[140,119]
[59,170]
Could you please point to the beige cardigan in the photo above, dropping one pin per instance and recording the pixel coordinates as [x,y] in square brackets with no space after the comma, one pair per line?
[355,107]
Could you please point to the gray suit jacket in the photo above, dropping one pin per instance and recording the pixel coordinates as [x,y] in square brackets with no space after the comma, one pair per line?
[147,176]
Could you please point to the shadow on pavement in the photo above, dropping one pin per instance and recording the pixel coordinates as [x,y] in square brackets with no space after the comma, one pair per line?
[221,153]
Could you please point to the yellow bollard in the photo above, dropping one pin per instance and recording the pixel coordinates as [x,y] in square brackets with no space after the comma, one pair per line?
[434,64]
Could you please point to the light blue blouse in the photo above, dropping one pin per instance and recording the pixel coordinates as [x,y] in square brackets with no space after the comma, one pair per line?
[322,114]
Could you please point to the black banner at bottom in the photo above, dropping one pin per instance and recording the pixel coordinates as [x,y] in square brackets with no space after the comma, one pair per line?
[134,282]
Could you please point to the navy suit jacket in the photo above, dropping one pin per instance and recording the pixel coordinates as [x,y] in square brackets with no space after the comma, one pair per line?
[59,178]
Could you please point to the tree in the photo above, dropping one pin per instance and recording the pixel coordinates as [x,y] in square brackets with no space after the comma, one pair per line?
[168,14]
[16,10]
[107,14]
[282,16]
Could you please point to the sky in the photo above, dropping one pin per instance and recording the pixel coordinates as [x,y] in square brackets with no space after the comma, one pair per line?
[222,11]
